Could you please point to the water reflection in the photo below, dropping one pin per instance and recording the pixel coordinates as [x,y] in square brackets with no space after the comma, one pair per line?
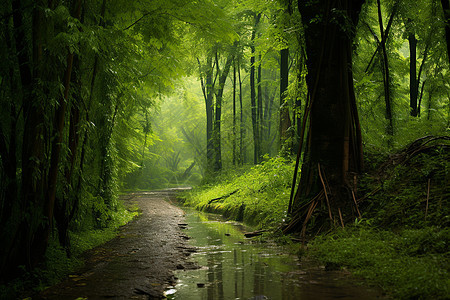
[237,268]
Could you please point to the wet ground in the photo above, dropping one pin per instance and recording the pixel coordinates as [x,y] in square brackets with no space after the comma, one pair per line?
[233,267]
[139,262]
[166,252]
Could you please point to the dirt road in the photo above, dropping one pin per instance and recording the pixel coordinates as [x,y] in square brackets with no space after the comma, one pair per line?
[139,262]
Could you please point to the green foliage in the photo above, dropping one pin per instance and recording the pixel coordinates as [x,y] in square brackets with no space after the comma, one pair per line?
[258,195]
[412,195]
[410,264]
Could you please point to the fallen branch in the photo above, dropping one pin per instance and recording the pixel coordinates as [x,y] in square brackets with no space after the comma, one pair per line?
[223,197]
[254,233]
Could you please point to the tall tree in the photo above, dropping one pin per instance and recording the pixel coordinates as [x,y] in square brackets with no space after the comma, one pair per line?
[333,156]
[223,75]
[254,106]
[446,8]
[285,119]
[386,74]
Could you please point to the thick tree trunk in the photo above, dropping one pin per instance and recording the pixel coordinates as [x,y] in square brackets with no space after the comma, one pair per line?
[333,155]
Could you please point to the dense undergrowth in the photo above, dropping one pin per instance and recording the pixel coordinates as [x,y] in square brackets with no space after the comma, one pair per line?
[401,241]
[258,195]
[58,264]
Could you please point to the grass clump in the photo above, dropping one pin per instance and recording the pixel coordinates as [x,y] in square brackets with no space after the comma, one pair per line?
[258,196]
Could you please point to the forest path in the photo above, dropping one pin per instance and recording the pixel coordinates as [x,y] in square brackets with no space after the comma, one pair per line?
[139,262]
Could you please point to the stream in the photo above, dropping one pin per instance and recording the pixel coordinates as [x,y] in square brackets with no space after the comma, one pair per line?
[234,267]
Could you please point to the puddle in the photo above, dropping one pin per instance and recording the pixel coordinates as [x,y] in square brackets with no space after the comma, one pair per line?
[233,267]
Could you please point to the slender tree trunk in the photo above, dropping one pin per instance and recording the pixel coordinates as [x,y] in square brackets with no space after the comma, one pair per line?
[8,154]
[254,108]
[60,115]
[208,96]
[387,78]
[64,205]
[259,119]
[429,110]
[234,113]
[219,96]
[285,119]
[242,151]
[413,82]
[446,8]
[33,174]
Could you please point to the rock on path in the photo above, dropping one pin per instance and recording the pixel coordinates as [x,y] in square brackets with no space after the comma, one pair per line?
[139,262]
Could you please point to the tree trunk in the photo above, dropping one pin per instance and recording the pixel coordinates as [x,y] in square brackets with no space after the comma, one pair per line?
[207,89]
[242,151]
[413,81]
[234,114]
[259,119]
[386,75]
[285,119]
[33,174]
[333,154]
[209,116]
[217,122]
[254,108]
[59,123]
[446,8]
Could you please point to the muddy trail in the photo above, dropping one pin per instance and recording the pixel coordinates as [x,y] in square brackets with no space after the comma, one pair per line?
[138,263]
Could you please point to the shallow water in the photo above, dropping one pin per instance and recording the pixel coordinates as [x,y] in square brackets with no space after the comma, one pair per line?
[233,267]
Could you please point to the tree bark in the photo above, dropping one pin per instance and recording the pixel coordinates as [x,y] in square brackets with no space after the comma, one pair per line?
[242,151]
[386,75]
[285,119]
[217,122]
[333,154]
[254,108]
[413,81]
[59,123]
[446,9]
[259,120]
[234,113]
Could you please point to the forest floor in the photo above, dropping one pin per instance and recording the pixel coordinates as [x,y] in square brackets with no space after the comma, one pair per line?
[139,262]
